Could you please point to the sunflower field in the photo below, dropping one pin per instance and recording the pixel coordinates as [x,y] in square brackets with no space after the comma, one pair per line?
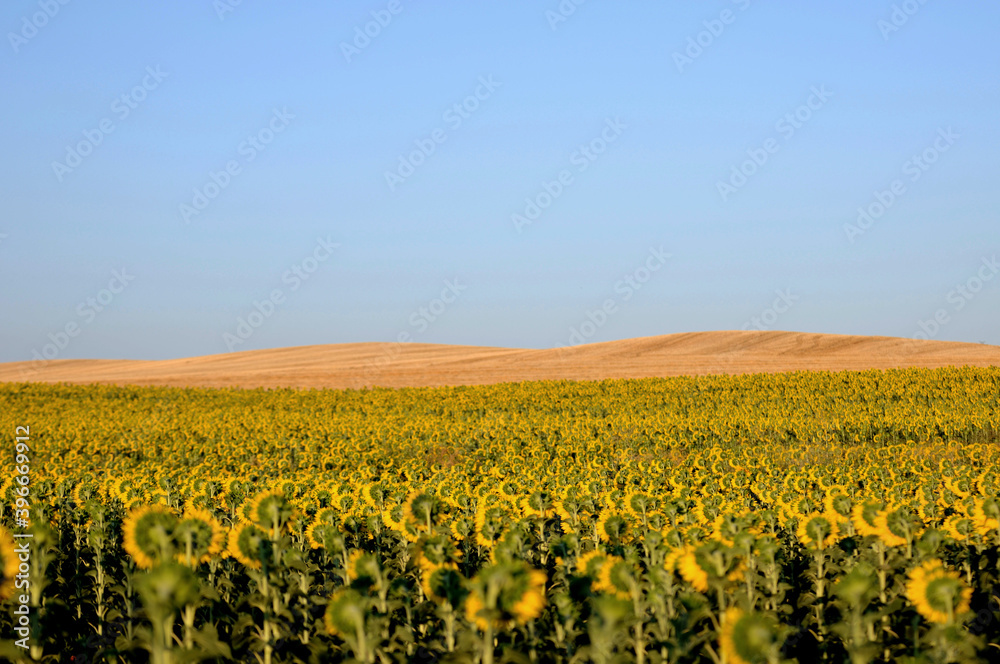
[807,516]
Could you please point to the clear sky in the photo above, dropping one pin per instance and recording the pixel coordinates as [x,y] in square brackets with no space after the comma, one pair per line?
[189,178]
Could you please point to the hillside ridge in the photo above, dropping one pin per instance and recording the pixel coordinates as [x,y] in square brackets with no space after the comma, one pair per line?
[370,364]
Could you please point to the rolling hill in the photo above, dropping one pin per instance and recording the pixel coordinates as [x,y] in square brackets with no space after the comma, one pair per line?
[357,365]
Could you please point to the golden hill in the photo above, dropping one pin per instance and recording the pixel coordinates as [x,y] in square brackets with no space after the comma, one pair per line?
[409,365]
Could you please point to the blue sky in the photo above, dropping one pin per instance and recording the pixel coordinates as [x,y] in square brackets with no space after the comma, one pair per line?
[492,173]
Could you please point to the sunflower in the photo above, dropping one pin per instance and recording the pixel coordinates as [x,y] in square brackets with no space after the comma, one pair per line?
[149,534]
[611,526]
[393,519]
[837,502]
[200,536]
[747,638]
[83,492]
[475,608]
[590,563]
[538,504]
[960,486]
[617,577]
[818,531]
[321,533]
[691,571]
[984,516]
[460,528]
[639,505]
[9,563]
[939,594]
[420,510]
[863,517]
[895,527]
[509,491]
[670,560]
[489,525]
[927,510]
[443,583]
[286,487]
[959,527]
[120,489]
[374,495]
[532,600]
[353,558]
[249,545]
[570,511]
[345,613]
[704,512]
[517,592]
[271,510]
[803,507]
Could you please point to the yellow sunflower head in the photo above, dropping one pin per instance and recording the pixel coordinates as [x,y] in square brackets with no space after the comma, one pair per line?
[421,509]
[538,504]
[748,638]
[863,517]
[897,527]
[611,526]
[323,535]
[249,545]
[363,569]
[839,503]
[9,564]
[590,563]
[639,504]
[374,494]
[818,531]
[444,583]
[199,537]
[938,594]
[617,577]
[149,534]
[691,570]
[960,527]
[505,594]
[271,510]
